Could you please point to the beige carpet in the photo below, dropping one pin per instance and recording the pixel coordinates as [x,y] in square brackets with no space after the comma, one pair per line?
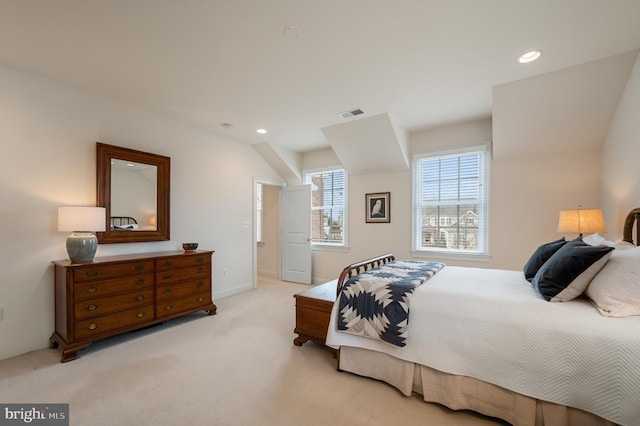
[238,367]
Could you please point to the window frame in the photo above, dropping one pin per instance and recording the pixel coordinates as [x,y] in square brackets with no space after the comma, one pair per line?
[482,253]
[308,180]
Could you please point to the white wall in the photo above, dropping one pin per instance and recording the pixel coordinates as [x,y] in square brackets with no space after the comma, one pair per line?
[48,133]
[525,195]
[620,154]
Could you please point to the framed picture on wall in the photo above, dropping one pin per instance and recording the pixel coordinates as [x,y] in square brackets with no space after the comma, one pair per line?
[378,207]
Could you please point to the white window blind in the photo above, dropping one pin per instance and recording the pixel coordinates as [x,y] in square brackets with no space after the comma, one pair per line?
[450,201]
[328,211]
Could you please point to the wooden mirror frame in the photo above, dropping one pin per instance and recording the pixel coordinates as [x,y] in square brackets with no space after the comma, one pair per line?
[103,172]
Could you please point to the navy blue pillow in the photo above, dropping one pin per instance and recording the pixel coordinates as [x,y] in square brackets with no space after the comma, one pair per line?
[541,255]
[568,272]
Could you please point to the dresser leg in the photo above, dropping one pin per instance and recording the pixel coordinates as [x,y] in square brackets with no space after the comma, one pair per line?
[300,340]
[213,310]
[69,352]
[68,356]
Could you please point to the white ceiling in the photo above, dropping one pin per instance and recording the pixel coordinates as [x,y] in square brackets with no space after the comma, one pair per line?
[423,62]
[561,111]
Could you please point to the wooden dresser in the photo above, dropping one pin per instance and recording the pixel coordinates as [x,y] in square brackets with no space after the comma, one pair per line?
[313,311]
[117,294]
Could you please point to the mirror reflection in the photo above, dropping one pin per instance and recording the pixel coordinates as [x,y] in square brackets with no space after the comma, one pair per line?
[133,186]
[133,196]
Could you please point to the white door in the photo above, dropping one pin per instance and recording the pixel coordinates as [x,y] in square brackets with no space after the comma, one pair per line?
[296,234]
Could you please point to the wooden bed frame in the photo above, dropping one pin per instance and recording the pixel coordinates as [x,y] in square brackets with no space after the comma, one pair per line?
[627,234]
[363,266]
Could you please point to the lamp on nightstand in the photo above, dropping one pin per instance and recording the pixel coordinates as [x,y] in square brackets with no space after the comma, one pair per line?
[581,221]
[82,221]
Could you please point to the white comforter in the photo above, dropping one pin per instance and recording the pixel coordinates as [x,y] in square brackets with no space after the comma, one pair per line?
[491,325]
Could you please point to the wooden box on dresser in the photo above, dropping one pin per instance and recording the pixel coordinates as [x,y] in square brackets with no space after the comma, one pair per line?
[117,294]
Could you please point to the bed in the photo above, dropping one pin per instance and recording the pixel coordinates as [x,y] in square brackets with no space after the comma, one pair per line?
[488,340]
[123,223]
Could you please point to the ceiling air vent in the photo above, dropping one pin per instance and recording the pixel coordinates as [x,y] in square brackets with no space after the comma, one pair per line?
[348,114]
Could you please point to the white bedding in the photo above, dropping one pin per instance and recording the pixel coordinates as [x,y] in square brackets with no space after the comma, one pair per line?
[491,325]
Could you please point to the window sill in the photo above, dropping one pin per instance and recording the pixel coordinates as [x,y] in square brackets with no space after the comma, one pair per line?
[439,255]
[329,247]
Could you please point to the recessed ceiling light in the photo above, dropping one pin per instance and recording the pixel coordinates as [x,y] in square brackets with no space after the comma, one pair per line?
[261,131]
[529,56]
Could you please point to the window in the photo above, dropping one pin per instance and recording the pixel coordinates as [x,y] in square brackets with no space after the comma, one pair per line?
[328,209]
[444,220]
[450,200]
[259,212]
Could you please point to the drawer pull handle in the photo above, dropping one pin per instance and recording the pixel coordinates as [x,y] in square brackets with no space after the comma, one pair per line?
[200,270]
[200,259]
[92,273]
[91,289]
[167,292]
[139,267]
[167,263]
[168,308]
[139,281]
[166,276]
[140,314]
[140,298]
[200,284]
[200,299]
[93,326]
[92,307]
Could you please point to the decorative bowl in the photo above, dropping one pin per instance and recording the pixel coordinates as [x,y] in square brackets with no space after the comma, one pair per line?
[189,246]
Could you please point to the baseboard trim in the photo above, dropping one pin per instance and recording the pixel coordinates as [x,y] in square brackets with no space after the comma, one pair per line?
[232,291]
[271,274]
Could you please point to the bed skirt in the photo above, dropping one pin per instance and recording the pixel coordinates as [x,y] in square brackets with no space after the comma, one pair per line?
[461,392]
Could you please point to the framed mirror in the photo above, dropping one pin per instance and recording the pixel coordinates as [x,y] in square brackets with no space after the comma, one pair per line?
[133,186]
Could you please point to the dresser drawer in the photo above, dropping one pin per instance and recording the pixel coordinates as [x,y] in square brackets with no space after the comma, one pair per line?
[106,305]
[95,273]
[91,290]
[182,297]
[177,275]
[106,323]
[182,261]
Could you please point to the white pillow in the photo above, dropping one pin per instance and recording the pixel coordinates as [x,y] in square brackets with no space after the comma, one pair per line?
[615,290]
[597,240]
[624,245]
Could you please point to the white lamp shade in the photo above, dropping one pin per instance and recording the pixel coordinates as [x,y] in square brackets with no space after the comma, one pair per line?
[89,219]
[581,221]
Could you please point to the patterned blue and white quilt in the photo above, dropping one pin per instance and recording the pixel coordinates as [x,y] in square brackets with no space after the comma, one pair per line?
[376,303]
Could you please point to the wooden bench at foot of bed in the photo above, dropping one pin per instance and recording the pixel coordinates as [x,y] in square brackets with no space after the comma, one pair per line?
[313,310]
